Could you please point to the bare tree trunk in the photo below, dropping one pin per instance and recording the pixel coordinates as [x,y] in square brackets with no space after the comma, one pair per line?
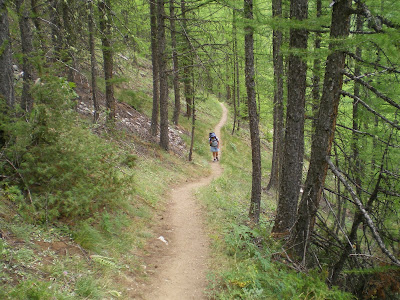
[234,50]
[105,28]
[154,58]
[237,88]
[278,100]
[316,70]
[292,162]
[93,62]
[162,61]
[254,212]
[186,62]
[35,19]
[6,70]
[56,32]
[69,42]
[323,137]
[193,123]
[177,93]
[27,49]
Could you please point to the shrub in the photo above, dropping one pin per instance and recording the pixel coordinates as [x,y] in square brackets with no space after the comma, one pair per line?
[59,164]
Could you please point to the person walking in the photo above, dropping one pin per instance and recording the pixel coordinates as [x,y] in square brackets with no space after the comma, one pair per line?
[214,146]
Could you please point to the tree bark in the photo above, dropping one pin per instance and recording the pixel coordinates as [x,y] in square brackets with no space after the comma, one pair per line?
[69,42]
[56,32]
[6,69]
[254,212]
[278,100]
[292,162]
[27,49]
[177,93]
[93,62]
[154,59]
[234,51]
[186,62]
[323,137]
[162,61]
[105,28]
[316,71]
[193,124]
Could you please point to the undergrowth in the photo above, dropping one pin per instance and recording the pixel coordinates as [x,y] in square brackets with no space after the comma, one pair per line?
[243,255]
[77,202]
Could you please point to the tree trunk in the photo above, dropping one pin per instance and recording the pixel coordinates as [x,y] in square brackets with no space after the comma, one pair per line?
[177,107]
[234,50]
[292,162]
[278,100]
[186,62]
[93,62]
[323,137]
[27,49]
[35,19]
[237,87]
[162,62]
[154,59]
[193,124]
[56,32]
[316,71]
[105,28]
[69,41]
[254,212]
[6,70]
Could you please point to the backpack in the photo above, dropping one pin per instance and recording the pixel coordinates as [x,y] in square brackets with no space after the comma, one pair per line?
[213,139]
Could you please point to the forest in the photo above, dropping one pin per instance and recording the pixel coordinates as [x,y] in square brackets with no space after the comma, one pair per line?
[105,105]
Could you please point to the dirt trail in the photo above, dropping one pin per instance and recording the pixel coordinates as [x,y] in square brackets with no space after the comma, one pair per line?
[179,263]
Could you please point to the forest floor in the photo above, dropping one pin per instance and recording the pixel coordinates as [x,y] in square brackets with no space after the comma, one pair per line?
[178,256]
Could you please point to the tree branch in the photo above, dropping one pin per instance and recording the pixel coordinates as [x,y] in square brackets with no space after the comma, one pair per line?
[370,109]
[364,212]
[374,90]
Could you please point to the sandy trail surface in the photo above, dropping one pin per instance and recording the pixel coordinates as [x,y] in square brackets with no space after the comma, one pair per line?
[179,255]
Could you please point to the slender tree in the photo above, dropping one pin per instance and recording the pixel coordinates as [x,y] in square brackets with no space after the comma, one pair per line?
[278,99]
[106,35]
[177,93]
[69,38]
[293,152]
[56,32]
[27,48]
[6,70]
[254,211]
[154,59]
[93,62]
[234,59]
[162,69]
[187,61]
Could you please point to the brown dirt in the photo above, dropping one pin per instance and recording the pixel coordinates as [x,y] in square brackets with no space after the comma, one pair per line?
[177,266]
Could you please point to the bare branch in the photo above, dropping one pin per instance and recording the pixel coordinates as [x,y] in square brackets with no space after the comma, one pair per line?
[364,212]
[370,109]
[374,90]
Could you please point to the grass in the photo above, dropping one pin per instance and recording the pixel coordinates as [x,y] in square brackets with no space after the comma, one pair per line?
[242,255]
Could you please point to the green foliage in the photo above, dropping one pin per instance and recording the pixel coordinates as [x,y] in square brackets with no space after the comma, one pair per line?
[244,264]
[87,287]
[67,170]
[86,235]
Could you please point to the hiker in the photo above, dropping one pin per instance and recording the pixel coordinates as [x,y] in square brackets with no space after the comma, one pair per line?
[214,145]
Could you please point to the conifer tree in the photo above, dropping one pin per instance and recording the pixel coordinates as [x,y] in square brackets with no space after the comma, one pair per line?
[6,70]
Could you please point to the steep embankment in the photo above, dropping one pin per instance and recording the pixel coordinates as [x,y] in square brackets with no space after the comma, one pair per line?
[179,255]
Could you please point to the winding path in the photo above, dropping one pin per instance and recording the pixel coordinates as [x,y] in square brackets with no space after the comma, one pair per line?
[179,263]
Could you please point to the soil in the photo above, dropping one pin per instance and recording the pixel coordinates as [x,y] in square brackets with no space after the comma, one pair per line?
[179,254]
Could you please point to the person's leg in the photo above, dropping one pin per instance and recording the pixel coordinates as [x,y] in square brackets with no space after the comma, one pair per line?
[216,155]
